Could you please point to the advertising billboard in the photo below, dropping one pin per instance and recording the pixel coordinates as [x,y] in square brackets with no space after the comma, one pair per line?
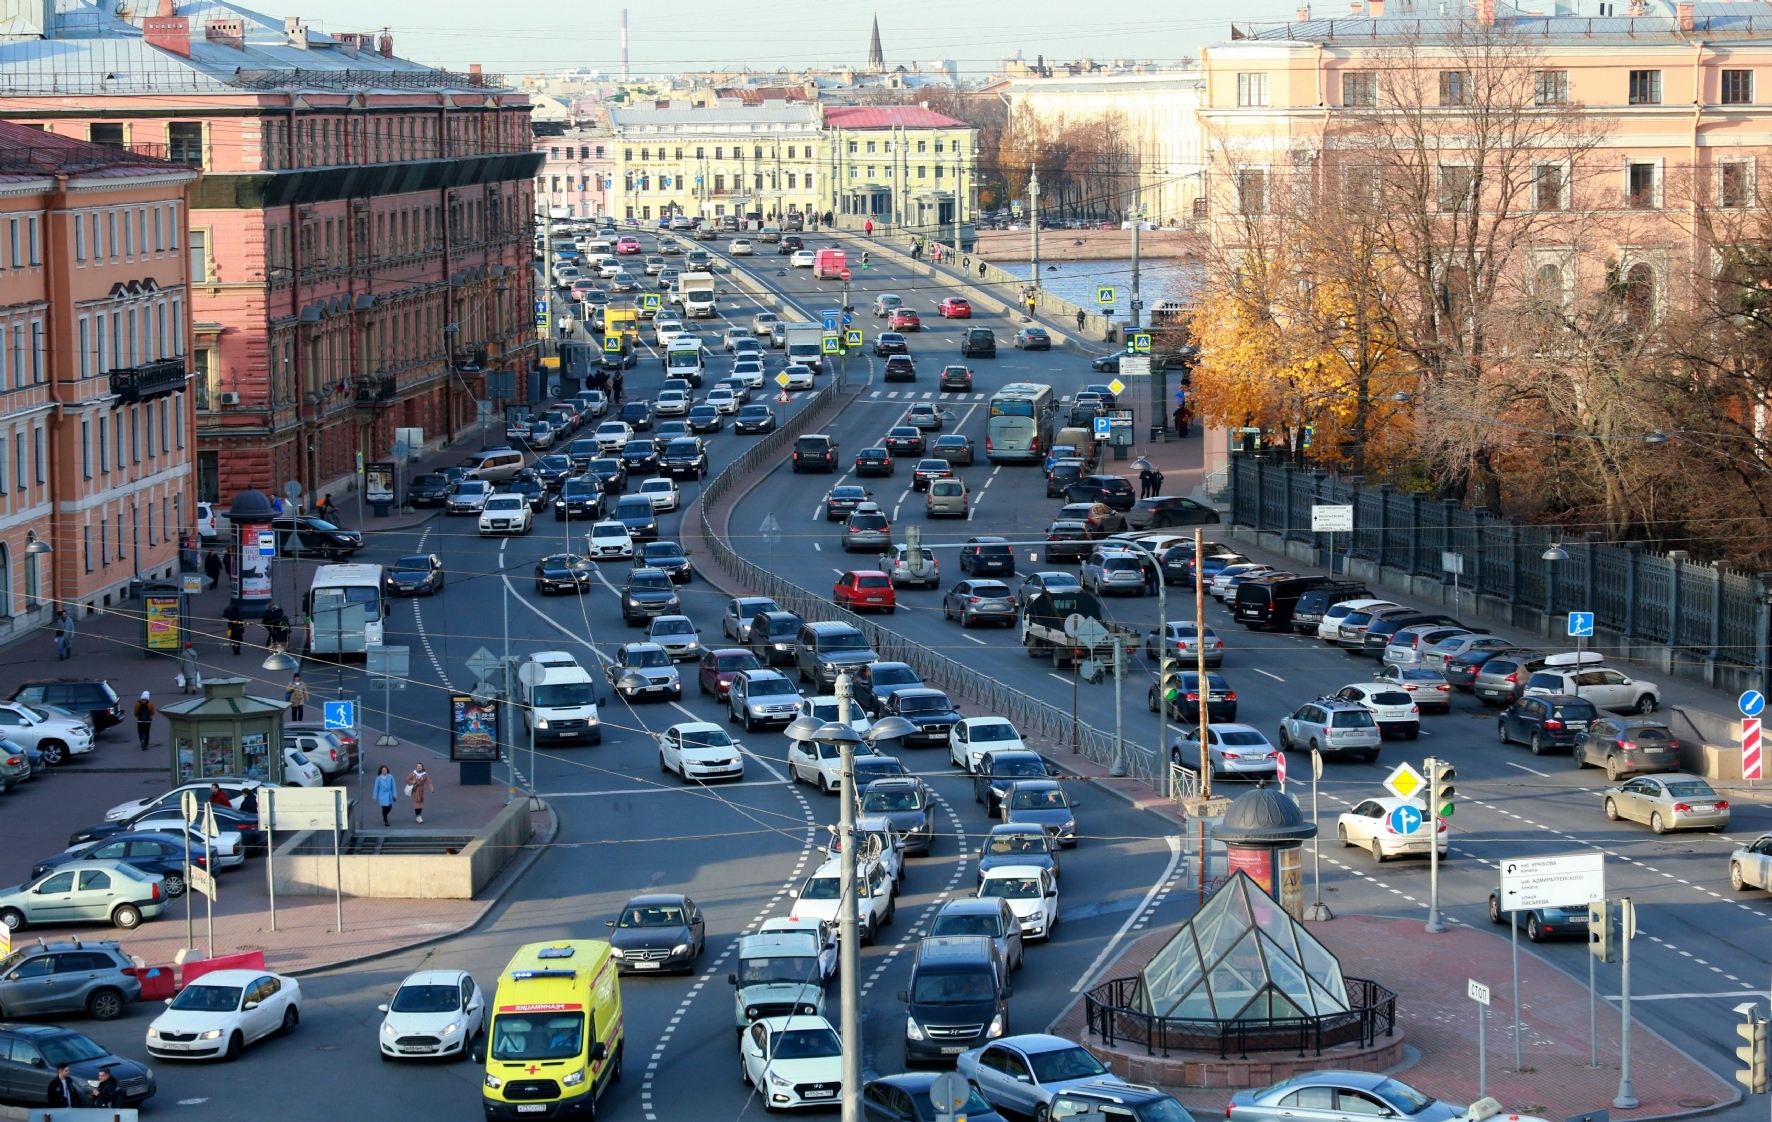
[473,728]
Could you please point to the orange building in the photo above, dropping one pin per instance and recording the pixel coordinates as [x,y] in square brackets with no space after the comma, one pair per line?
[360,240]
[96,424]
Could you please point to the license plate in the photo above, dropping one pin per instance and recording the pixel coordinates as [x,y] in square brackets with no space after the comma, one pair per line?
[645,966]
[1706,807]
[531,1108]
[1575,726]
[819,1094]
[955,1051]
[874,599]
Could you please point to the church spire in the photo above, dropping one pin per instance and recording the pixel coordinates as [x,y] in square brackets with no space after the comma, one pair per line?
[876,57]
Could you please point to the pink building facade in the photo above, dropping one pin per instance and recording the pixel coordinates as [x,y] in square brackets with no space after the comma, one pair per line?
[577,174]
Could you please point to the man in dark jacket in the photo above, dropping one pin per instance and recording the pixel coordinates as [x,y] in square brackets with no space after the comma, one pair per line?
[64,1091]
[212,566]
[105,1094]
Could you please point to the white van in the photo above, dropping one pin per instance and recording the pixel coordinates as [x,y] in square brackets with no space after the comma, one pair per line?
[559,698]
[345,607]
[497,465]
[685,362]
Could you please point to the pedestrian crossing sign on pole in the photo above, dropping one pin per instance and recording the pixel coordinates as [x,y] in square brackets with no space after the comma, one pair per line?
[832,345]
[1141,343]
[1104,296]
[853,339]
[612,344]
[650,301]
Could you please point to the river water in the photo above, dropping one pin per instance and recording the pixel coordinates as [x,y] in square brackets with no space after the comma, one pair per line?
[1077,281]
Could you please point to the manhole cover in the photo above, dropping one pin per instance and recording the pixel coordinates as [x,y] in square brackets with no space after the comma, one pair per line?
[1695,1102]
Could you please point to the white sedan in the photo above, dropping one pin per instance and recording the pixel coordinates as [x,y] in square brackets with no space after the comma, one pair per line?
[609,540]
[506,514]
[433,1013]
[611,435]
[739,247]
[972,737]
[820,764]
[665,330]
[792,1061]
[723,400]
[802,259]
[672,403]
[1375,826]
[1032,893]
[222,1012]
[799,377]
[699,750]
[663,492]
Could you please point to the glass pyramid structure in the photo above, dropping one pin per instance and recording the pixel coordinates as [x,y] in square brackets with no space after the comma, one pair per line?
[1241,958]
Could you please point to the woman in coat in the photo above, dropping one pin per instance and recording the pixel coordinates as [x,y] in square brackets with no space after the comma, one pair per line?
[418,784]
[385,792]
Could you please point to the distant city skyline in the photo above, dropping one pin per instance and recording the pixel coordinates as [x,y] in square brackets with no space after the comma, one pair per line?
[673,36]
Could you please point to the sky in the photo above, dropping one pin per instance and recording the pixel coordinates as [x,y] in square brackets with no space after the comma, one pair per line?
[671,36]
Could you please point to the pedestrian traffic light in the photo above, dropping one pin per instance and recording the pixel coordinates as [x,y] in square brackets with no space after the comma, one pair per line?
[1753,1053]
[1440,779]
[1602,930]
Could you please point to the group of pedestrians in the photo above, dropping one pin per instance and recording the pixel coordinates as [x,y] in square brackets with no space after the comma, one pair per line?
[1150,482]
[418,785]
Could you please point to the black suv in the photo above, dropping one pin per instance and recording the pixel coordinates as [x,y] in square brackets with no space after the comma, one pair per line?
[998,769]
[684,458]
[1111,490]
[930,710]
[637,414]
[92,696]
[428,489]
[303,535]
[579,498]
[815,452]
[978,342]
[987,555]
[899,368]
[1378,636]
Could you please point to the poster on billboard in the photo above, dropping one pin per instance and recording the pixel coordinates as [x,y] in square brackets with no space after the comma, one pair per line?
[473,728]
[255,563]
[160,612]
[378,483]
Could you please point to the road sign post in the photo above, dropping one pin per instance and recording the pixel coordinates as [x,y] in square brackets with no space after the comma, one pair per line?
[1626,1099]
[1332,520]
[1479,993]
[1753,703]
[1319,910]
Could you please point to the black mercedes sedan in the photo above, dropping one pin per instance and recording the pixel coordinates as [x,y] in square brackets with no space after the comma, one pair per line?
[658,933]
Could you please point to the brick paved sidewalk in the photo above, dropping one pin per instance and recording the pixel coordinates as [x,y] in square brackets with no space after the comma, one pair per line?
[1429,974]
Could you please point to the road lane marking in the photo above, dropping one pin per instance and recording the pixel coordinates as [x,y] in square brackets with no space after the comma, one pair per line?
[687,790]
[1685,996]
[980,642]
[1275,677]
[1060,677]
[1523,767]
[1101,959]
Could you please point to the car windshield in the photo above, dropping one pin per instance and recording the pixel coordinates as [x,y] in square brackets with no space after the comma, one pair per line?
[894,676]
[682,448]
[603,465]
[969,923]
[565,695]
[869,770]
[706,738]
[556,1037]
[883,802]
[426,999]
[1351,719]
[412,564]
[1164,1110]
[1403,1097]
[70,1049]
[634,506]
[850,642]
[1049,798]
[652,915]
[579,489]
[1574,711]
[955,989]
[745,661]
[804,1044]
[1241,738]
[615,531]
[820,888]
[504,502]
[1018,767]
[1017,843]
[928,703]
[673,627]
[1391,697]
[207,999]
[854,493]
[1064,1063]
[872,582]
[431,481]
[1421,675]
[1650,736]
[993,732]
[795,969]
[658,581]
[1010,888]
[770,687]
[648,658]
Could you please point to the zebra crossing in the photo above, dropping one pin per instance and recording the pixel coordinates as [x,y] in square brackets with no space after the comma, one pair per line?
[913,395]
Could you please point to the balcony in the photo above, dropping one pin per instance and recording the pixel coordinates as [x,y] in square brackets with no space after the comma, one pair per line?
[377,391]
[150,380]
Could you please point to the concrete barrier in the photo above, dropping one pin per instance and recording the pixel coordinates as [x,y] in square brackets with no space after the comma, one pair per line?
[305,865]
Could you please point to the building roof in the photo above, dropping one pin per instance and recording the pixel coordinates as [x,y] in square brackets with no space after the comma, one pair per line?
[761,94]
[889,116]
[25,151]
[773,113]
[1421,20]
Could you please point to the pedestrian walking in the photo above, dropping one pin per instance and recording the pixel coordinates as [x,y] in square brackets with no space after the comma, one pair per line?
[1156,483]
[1080,318]
[981,268]
[1187,420]
[298,697]
[212,566]
[190,678]
[236,626]
[384,792]
[144,719]
[219,797]
[64,635]
[868,227]
[1032,301]
[1151,574]
[276,627]
[1181,420]
[615,385]
[1144,481]
[418,784]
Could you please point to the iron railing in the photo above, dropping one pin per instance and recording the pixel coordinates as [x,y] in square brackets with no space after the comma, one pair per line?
[151,379]
[1111,1018]
[1031,716]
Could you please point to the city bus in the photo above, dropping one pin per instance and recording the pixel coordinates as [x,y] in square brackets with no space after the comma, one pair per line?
[345,607]
[1021,419]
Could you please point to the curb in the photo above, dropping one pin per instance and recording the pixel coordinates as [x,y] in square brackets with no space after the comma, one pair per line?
[536,849]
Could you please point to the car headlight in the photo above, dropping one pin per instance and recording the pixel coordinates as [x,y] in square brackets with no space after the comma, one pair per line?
[559,502]
[996,1028]
[806,1009]
[449,1029]
[573,1079]
[541,723]
[777,1081]
[389,1029]
[751,1011]
[680,948]
[212,1034]
[153,1033]
[912,1030]
[617,952]
[493,1082]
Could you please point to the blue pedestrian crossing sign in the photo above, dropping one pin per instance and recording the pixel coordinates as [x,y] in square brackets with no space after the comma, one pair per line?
[339,714]
[1104,296]
[1752,703]
[852,338]
[1141,343]
[832,345]
[650,301]
[1405,820]
[1581,625]
[612,344]
[830,321]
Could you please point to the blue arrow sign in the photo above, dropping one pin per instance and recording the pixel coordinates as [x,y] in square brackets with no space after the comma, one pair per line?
[830,321]
[1405,820]
[1753,703]
[1581,625]
[339,714]
[848,319]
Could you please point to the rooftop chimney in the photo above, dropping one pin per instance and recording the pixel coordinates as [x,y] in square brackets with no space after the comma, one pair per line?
[296,32]
[167,30]
[1486,12]
[1375,8]
[1303,13]
[1683,11]
[226,33]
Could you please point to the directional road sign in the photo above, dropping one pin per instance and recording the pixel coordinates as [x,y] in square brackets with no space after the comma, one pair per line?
[1752,703]
[1104,295]
[830,321]
[1581,625]
[852,338]
[1405,820]
[1404,782]
[1478,992]
[1569,880]
[1332,519]
[848,318]
[339,714]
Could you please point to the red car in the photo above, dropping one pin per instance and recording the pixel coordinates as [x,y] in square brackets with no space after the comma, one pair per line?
[719,667]
[627,246]
[905,320]
[954,307]
[865,590]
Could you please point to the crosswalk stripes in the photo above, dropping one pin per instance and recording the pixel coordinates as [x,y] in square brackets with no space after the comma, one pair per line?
[883,396]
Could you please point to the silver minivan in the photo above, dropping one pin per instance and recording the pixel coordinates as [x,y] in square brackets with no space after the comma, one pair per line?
[947,498]
[497,465]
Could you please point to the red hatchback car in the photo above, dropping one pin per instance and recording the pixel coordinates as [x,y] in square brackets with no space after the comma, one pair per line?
[865,590]
[627,246]
[905,320]
[954,307]
[719,667]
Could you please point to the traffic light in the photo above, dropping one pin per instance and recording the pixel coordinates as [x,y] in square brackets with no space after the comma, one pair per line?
[1753,1053]
[1602,930]
[1440,779]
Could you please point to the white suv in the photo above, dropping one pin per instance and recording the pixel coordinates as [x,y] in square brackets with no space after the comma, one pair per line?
[818,897]
[1333,726]
[506,514]
[1572,673]
[56,737]
[1393,709]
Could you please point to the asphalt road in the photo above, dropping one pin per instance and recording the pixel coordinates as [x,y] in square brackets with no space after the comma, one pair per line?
[627,829]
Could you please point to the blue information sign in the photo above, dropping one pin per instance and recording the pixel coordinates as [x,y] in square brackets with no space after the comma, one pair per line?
[1405,819]
[830,321]
[339,714]
[1753,703]
[1103,427]
[1581,624]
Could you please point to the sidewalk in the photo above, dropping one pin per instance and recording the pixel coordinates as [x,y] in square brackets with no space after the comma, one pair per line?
[1429,975]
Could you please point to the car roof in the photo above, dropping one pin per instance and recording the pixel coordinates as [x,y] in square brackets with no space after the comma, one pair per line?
[656,898]
[642,647]
[1000,872]
[433,977]
[233,977]
[918,691]
[762,674]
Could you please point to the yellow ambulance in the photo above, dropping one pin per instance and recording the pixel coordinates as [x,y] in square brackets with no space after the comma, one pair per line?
[556,1036]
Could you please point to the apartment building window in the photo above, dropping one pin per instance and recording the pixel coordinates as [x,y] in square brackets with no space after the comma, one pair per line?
[38,365]
[199,258]
[1359,87]
[922,146]
[1252,190]
[15,255]
[1640,185]
[1455,87]
[922,171]
[700,154]
[184,143]
[1550,87]
[18,356]
[178,419]
[757,152]
[107,133]
[1738,87]
[85,448]
[104,445]
[39,462]
[86,546]
[1645,87]
[104,540]
[24,481]
[1251,89]
[3,464]
[1734,183]
[852,148]
[938,146]
[79,240]
[1455,187]
[110,233]
[720,153]
[159,233]
[135,435]
[871,168]
[165,409]
[128,235]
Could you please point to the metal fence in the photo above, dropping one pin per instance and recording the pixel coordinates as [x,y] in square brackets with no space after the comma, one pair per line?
[1032,717]
[1111,1017]
[1703,612]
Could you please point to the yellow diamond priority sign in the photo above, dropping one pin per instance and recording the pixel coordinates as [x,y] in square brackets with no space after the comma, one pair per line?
[782,380]
[1404,782]
[1117,386]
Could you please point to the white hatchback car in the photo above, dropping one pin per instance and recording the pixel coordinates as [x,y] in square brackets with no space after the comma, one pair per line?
[739,247]
[1394,709]
[663,492]
[700,750]
[506,514]
[972,737]
[433,1013]
[609,541]
[793,1061]
[799,377]
[222,1012]
[1373,826]
[1032,893]
[819,764]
